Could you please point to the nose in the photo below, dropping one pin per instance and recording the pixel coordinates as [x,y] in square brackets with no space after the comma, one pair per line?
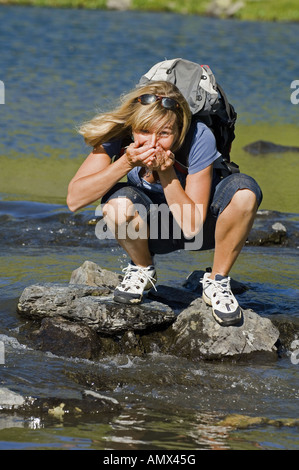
[153,138]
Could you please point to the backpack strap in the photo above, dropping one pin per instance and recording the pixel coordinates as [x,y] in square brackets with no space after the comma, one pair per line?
[182,155]
[232,115]
[223,166]
[224,128]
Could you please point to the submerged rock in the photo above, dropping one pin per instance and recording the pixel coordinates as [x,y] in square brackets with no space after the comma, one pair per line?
[10,399]
[90,402]
[262,147]
[273,228]
[237,421]
[84,321]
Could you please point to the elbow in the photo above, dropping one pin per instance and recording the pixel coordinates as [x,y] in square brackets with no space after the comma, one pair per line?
[74,202]
[71,205]
[190,234]
[70,200]
[192,229]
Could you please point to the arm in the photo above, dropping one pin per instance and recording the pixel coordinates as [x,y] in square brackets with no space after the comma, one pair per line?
[189,206]
[97,174]
[198,183]
[94,178]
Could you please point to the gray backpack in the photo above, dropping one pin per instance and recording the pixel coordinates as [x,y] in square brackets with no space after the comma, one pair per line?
[208,104]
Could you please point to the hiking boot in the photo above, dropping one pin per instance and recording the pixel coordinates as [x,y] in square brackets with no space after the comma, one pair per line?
[137,280]
[217,293]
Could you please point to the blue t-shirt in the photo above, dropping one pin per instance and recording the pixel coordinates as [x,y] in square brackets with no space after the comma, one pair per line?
[203,152]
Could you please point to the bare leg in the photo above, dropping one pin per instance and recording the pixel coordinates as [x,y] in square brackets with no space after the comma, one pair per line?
[123,220]
[232,228]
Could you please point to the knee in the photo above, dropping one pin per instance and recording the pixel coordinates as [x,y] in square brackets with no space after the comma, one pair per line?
[118,211]
[245,202]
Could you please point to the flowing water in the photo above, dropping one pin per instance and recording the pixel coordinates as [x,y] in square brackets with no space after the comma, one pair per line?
[58,68]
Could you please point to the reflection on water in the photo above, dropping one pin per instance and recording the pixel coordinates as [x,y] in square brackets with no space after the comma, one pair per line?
[167,402]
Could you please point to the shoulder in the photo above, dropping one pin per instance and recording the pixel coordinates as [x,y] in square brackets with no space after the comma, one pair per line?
[201,131]
[113,147]
[203,151]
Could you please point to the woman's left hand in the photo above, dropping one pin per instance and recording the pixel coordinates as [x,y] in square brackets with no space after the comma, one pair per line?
[164,160]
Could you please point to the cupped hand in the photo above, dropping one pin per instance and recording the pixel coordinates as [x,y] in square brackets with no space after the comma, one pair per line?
[140,155]
[164,159]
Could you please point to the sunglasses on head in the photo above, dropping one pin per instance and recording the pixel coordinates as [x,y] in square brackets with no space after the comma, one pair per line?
[168,103]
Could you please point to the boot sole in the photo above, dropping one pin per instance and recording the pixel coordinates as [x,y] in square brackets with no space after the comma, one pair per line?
[125,300]
[230,322]
[206,299]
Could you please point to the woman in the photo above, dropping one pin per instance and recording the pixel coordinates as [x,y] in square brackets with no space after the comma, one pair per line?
[220,212]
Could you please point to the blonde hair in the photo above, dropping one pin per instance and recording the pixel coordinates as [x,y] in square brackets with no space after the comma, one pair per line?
[131,115]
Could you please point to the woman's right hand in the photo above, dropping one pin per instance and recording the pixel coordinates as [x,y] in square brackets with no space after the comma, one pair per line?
[140,155]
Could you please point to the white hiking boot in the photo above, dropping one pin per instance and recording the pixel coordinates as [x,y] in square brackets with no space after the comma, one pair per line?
[137,280]
[217,293]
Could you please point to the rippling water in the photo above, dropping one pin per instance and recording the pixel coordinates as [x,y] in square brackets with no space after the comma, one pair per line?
[58,66]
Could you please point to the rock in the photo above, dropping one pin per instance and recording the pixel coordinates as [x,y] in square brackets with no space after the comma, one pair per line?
[92,275]
[236,421]
[268,237]
[84,321]
[193,283]
[9,399]
[274,228]
[262,147]
[224,8]
[86,305]
[196,335]
[91,403]
[46,300]
[177,298]
[120,5]
[288,331]
[65,338]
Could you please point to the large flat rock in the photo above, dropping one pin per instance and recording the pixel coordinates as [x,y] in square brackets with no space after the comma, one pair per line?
[83,320]
[94,307]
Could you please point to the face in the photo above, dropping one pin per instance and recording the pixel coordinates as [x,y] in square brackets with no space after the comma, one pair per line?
[164,136]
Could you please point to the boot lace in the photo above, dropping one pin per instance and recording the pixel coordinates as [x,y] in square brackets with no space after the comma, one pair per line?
[136,277]
[222,291]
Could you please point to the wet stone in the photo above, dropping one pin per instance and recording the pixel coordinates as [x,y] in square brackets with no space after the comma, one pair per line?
[196,335]
[58,408]
[90,307]
[262,147]
[80,320]
[70,339]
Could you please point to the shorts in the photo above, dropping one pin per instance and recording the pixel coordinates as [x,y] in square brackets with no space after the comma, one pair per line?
[165,234]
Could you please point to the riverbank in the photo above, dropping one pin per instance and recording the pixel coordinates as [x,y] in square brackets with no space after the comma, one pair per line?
[251,10]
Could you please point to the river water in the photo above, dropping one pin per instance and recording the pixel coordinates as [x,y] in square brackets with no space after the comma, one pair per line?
[58,68]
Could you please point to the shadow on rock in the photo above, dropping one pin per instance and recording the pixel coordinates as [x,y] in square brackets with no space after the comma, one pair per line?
[79,320]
